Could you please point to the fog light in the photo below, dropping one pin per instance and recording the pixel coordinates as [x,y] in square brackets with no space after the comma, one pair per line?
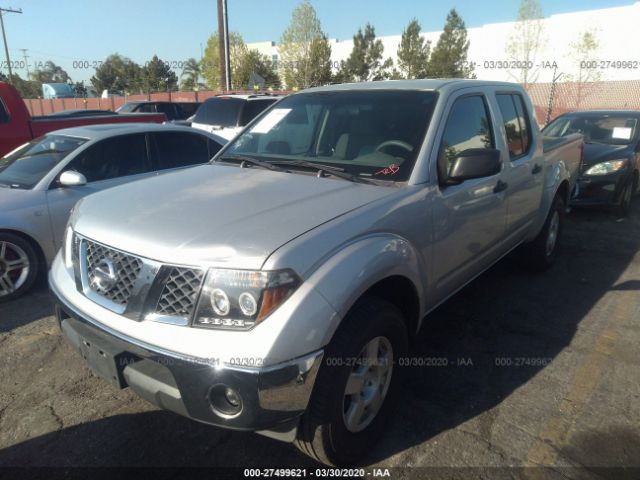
[232,397]
[225,401]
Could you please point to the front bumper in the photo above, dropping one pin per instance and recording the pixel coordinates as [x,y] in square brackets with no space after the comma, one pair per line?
[599,190]
[272,398]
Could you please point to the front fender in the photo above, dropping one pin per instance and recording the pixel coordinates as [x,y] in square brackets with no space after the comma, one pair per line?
[344,277]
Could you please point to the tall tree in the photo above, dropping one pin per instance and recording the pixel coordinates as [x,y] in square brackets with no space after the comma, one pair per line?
[190,76]
[26,88]
[118,74]
[157,76]
[449,56]
[365,63]
[413,52]
[526,41]
[211,59]
[253,62]
[49,72]
[581,51]
[305,53]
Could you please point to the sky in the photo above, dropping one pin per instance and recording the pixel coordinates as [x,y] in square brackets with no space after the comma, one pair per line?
[83,32]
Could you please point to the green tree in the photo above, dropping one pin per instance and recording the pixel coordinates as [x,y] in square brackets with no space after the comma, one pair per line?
[581,51]
[255,62]
[526,41]
[305,53]
[49,72]
[157,76]
[365,62]
[191,73]
[449,56]
[118,74]
[413,52]
[210,63]
[80,89]
[26,88]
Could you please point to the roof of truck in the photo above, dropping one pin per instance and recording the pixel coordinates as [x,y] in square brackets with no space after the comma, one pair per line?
[430,84]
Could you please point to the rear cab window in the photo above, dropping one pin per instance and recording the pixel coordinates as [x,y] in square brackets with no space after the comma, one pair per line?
[516,123]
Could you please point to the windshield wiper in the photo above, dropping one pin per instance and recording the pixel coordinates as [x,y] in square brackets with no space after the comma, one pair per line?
[252,161]
[325,169]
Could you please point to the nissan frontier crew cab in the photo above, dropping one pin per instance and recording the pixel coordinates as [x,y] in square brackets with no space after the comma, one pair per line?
[276,289]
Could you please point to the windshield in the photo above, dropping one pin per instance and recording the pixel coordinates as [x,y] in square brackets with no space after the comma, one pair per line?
[608,129]
[27,165]
[373,134]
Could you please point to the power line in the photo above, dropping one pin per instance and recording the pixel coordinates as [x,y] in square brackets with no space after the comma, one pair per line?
[4,36]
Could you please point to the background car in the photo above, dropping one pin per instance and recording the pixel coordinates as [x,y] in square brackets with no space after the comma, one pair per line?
[42,180]
[609,173]
[173,110]
[226,115]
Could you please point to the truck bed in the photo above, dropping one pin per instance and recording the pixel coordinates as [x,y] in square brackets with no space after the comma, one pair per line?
[566,149]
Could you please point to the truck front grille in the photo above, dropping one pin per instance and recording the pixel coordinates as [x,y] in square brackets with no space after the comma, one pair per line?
[180,292]
[124,269]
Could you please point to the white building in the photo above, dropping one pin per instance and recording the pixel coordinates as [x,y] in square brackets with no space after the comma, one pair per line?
[615,28]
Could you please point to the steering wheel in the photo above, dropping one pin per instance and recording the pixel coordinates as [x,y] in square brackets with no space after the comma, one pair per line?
[394,143]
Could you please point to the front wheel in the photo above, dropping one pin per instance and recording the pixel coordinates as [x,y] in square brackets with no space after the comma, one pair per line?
[355,388]
[625,198]
[18,266]
[539,254]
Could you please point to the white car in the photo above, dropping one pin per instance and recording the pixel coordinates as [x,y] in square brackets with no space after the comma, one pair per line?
[226,115]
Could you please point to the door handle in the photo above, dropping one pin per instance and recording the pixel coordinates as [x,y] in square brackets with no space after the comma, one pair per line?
[537,168]
[500,187]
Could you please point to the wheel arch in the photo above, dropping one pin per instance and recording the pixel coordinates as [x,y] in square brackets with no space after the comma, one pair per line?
[32,241]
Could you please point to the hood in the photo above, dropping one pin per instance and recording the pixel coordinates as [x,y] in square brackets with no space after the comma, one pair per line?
[216,215]
[599,152]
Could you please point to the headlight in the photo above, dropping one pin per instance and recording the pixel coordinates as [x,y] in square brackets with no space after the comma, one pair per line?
[606,168]
[240,299]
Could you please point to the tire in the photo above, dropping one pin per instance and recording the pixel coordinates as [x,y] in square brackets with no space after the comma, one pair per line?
[18,266]
[624,207]
[539,254]
[325,433]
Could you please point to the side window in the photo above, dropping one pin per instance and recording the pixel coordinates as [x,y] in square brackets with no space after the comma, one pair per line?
[146,108]
[468,126]
[168,109]
[4,115]
[113,158]
[178,149]
[525,123]
[214,147]
[511,124]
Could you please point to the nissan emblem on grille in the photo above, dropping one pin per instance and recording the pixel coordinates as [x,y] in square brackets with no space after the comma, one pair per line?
[111,273]
[105,276]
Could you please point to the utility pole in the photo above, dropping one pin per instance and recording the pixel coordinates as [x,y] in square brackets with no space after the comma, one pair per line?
[4,37]
[223,45]
[26,60]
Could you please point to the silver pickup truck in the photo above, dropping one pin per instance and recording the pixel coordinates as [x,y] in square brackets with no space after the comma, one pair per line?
[277,289]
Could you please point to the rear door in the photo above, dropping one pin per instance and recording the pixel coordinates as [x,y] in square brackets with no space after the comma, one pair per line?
[522,166]
[468,218]
[108,163]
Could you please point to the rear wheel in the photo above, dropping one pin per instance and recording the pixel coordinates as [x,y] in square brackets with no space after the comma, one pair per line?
[18,266]
[355,388]
[539,254]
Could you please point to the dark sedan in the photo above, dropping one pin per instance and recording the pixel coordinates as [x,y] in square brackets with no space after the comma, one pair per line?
[609,174]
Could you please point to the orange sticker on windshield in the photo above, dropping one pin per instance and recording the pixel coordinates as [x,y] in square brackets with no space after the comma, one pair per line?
[390,170]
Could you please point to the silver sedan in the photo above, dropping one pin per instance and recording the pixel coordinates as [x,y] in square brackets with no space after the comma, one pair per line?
[41,181]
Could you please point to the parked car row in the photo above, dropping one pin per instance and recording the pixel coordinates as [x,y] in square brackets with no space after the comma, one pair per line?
[275,288]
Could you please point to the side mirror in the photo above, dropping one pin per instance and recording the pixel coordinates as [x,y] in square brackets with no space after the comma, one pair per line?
[474,163]
[71,178]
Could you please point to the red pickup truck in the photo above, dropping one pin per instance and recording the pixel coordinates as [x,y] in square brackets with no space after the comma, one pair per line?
[17,126]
